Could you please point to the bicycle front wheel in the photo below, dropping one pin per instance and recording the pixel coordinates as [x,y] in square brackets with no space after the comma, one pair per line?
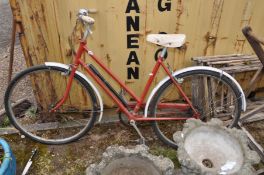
[212,94]
[32,94]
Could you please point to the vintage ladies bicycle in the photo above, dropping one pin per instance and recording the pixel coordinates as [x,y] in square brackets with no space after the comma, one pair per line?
[56,118]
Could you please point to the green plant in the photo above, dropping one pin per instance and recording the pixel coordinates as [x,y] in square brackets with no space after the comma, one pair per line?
[5,122]
[31,112]
[166,152]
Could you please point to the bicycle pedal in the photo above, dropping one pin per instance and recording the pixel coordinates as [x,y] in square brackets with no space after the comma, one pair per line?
[140,141]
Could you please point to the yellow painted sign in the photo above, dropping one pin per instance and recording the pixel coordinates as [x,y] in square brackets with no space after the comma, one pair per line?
[213,27]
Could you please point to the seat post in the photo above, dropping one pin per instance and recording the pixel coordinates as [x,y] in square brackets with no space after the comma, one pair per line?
[163,53]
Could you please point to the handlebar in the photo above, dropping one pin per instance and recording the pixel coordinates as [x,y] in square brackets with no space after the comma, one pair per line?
[87,19]
[83,16]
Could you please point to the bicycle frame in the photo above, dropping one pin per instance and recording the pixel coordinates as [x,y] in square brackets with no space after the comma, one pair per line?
[139,101]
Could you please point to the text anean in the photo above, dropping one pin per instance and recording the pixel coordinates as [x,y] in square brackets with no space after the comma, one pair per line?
[132,25]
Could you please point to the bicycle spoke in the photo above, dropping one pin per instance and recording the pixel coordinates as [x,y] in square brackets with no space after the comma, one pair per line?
[212,97]
[34,117]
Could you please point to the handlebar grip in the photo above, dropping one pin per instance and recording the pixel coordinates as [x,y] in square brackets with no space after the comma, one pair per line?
[87,19]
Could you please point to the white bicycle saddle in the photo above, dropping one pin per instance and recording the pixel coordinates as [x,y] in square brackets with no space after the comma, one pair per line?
[167,40]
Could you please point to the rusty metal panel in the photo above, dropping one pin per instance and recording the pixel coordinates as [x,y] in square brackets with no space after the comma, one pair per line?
[213,27]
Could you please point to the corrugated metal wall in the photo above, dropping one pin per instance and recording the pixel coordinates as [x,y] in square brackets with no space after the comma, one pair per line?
[212,27]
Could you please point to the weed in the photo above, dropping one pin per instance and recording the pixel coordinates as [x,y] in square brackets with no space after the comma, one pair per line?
[31,112]
[5,122]
[166,152]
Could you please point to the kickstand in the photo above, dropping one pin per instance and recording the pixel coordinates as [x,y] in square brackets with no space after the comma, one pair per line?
[142,139]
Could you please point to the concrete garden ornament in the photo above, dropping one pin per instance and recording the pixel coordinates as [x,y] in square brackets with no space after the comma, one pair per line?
[210,149]
[118,160]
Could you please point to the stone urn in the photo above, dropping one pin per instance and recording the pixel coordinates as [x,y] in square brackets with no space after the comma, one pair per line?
[118,160]
[212,149]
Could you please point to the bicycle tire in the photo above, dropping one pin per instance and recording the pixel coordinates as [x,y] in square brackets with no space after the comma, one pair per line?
[224,80]
[62,74]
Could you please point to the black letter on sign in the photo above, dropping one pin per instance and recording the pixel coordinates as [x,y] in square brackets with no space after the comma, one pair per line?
[132,5]
[131,72]
[132,41]
[167,6]
[132,23]
[132,58]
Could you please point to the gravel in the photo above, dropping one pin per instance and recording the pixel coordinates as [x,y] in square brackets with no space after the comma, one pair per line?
[5,35]
[5,24]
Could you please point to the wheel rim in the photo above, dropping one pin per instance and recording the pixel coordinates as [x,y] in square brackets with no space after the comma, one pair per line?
[40,90]
[220,92]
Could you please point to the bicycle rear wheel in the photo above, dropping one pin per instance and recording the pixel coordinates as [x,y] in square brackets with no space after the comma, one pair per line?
[34,91]
[213,95]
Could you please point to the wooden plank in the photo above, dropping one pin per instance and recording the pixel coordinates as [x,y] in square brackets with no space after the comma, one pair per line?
[2,111]
[223,57]
[211,96]
[222,96]
[233,61]
[205,95]
[260,172]
[249,114]
[253,63]
[8,130]
[242,61]
[227,58]
[239,69]
[255,118]
[197,91]
[43,127]
[112,117]
[253,143]
[253,82]
[255,103]
[205,58]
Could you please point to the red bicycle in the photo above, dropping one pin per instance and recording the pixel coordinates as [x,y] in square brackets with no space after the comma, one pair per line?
[56,117]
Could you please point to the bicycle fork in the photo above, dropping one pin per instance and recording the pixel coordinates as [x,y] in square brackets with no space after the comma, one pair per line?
[71,71]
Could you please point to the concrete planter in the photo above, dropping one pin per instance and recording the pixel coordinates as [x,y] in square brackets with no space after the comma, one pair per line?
[210,149]
[120,160]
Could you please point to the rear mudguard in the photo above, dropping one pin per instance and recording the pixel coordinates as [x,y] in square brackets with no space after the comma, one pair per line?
[67,67]
[244,105]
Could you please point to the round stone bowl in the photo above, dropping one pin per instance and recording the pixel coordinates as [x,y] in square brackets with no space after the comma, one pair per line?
[118,160]
[211,148]
[214,150]
[131,166]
